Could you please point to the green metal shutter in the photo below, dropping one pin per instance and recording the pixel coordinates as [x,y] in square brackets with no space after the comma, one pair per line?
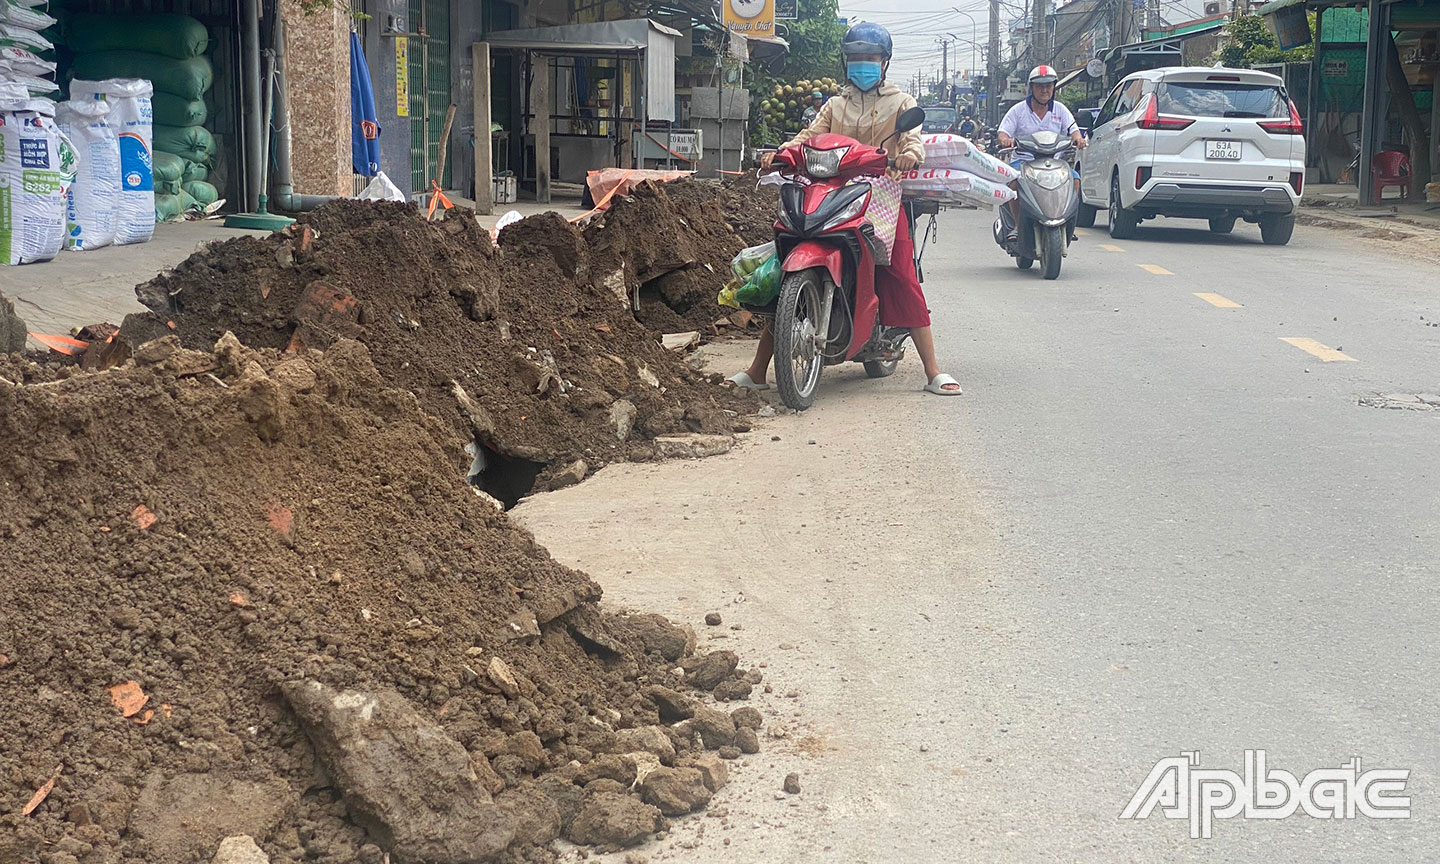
[429,89]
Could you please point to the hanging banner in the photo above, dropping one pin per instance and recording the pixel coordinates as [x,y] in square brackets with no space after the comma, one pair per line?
[787,10]
[402,77]
[750,17]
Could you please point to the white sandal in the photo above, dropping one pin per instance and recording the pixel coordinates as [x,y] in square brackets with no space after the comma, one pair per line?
[743,381]
[939,382]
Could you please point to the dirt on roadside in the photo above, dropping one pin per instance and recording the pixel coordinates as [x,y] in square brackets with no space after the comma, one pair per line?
[517,347]
[186,538]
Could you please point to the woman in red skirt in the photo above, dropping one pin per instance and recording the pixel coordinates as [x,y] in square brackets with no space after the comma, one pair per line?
[867,111]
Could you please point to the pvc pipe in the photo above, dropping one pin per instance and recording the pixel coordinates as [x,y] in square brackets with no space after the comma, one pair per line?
[254,131]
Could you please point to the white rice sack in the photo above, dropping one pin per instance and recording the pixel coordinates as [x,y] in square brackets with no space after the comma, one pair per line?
[22,37]
[132,119]
[91,209]
[954,184]
[23,61]
[21,15]
[954,151]
[36,166]
[35,85]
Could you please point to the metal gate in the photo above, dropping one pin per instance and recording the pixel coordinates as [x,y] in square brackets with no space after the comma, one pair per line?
[430,89]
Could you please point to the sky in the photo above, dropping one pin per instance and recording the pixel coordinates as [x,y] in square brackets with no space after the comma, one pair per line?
[916,26]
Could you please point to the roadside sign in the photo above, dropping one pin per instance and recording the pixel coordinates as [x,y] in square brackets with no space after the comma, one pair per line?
[787,10]
[750,17]
[1336,69]
[402,77]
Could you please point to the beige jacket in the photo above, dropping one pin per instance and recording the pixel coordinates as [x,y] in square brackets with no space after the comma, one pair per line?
[868,118]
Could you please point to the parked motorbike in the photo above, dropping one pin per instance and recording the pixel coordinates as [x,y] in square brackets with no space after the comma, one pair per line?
[828,312]
[1048,206]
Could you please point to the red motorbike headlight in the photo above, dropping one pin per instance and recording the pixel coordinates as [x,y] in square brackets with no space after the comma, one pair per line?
[824,163]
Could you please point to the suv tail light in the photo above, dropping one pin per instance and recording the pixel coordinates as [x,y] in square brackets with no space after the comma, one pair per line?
[1293,126]
[1153,119]
[1297,182]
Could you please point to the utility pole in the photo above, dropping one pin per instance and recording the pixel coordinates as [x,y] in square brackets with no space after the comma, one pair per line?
[944,70]
[1039,37]
[993,98]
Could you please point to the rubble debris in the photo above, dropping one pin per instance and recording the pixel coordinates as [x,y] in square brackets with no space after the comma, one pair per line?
[345,653]
[13,328]
[792,784]
[513,347]
[676,791]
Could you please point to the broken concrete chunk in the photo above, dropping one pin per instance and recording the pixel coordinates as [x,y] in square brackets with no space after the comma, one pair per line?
[622,418]
[692,446]
[500,675]
[570,475]
[648,739]
[239,849]
[403,778]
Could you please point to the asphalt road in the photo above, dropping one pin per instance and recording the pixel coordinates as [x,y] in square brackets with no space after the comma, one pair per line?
[1151,525]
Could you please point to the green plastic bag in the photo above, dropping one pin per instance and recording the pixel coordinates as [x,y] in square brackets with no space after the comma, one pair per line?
[168,167]
[195,171]
[167,187]
[763,286]
[178,36]
[172,110]
[188,79]
[192,143]
[204,193]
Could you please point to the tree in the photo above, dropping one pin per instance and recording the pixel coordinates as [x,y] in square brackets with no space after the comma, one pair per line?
[1248,41]
[815,39]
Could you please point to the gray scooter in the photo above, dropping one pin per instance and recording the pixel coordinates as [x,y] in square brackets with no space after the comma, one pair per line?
[1048,206]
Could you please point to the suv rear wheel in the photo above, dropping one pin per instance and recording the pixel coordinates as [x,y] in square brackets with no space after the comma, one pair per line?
[1122,222]
[1276,230]
[1222,224]
[1085,216]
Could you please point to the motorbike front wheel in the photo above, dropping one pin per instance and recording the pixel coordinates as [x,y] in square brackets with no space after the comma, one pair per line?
[1052,251]
[798,329]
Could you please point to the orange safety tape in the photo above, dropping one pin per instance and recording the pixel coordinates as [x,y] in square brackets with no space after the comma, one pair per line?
[604,201]
[63,344]
[687,159]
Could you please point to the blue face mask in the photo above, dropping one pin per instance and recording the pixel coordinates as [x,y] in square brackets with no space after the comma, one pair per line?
[864,74]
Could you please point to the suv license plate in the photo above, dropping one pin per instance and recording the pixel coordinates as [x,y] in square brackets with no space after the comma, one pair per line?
[1222,150]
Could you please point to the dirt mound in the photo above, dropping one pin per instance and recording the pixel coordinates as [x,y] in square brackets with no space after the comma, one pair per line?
[12,328]
[750,208]
[209,556]
[671,245]
[518,348]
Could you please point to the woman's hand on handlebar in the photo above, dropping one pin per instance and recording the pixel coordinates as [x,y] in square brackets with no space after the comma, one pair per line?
[766,162]
[906,162]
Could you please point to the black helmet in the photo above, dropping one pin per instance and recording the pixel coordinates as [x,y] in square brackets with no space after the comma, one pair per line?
[867,38]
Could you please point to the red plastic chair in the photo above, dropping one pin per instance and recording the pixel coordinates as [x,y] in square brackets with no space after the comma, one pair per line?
[1390,168]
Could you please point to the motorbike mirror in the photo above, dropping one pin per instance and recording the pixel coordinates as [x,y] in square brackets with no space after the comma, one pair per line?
[910,119]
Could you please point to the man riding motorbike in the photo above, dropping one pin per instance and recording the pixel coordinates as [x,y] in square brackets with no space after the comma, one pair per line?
[967,127]
[1040,111]
[867,111]
[817,101]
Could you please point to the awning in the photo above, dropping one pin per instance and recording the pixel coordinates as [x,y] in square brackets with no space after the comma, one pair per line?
[655,42]
[635,34]
[1069,78]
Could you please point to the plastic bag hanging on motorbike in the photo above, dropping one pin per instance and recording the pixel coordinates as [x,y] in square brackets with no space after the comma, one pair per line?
[954,184]
[763,286]
[953,151]
[883,213]
[749,260]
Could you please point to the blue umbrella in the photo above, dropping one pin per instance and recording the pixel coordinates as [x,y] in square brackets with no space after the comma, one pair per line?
[364,131]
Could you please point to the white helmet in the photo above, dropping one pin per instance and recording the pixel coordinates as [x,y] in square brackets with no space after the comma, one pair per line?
[1043,74]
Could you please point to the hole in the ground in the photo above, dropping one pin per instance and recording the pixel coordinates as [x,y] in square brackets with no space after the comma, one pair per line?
[504,478]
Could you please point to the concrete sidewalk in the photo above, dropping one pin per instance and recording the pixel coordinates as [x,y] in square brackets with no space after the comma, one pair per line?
[80,288]
[1332,201]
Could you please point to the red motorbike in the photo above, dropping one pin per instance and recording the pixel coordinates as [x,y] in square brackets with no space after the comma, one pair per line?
[827,312]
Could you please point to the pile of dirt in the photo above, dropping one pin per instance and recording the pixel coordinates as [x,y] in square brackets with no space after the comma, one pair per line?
[246,593]
[12,328]
[523,348]
[750,208]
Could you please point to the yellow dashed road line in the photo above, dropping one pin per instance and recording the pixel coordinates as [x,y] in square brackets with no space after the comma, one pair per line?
[1108,248]
[1324,352]
[1217,300]
[1156,269]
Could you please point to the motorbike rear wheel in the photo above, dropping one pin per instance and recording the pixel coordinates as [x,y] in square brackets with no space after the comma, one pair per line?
[1023,263]
[798,359]
[1052,251]
[881,368]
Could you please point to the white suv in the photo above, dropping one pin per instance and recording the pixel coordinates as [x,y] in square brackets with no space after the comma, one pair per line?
[1196,142]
